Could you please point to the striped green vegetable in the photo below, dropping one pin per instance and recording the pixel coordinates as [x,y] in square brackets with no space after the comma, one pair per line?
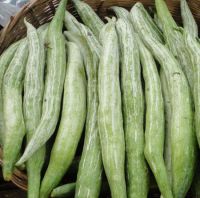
[163,14]
[189,23]
[66,190]
[167,108]
[71,124]
[120,12]
[133,111]
[5,60]
[90,37]
[174,39]
[110,119]
[175,42]
[14,127]
[56,66]
[183,142]
[73,25]
[88,181]
[157,21]
[155,31]
[33,95]
[69,24]
[191,27]
[89,17]
[156,35]
[193,48]
[154,131]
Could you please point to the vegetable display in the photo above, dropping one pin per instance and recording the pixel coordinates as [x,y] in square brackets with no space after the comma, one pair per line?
[96,108]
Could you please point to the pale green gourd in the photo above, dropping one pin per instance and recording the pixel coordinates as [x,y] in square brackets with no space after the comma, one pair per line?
[71,124]
[54,81]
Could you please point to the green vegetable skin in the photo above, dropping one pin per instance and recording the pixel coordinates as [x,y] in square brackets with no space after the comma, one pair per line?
[167,108]
[155,33]
[154,132]
[191,27]
[120,12]
[33,94]
[72,24]
[189,23]
[5,60]
[90,37]
[71,124]
[183,145]
[56,66]
[69,23]
[14,127]
[89,17]
[66,190]
[174,39]
[90,168]
[193,47]
[110,119]
[133,111]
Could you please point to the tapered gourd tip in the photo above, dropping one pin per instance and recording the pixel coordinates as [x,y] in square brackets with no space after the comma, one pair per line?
[137,6]
[20,162]
[7,174]
[26,22]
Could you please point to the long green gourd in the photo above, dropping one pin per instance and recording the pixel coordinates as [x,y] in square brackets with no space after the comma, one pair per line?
[90,168]
[5,60]
[191,27]
[32,105]
[71,124]
[149,68]
[110,119]
[175,41]
[123,13]
[193,48]
[167,108]
[89,178]
[66,190]
[133,111]
[14,127]
[183,142]
[56,66]
[89,17]
[154,131]
[156,35]
[189,23]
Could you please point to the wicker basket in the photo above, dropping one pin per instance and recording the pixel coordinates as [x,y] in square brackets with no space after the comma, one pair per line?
[39,12]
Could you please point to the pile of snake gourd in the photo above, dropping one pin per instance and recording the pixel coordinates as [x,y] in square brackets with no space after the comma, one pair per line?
[128,85]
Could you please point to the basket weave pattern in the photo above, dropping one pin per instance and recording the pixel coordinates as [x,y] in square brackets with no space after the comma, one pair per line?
[38,12]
